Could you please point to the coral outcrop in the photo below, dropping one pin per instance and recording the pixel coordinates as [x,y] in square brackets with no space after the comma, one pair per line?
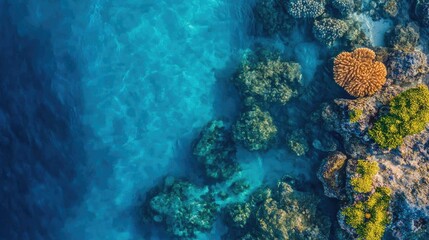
[182,207]
[358,72]
[255,130]
[280,213]
[328,30]
[215,150]
[305,8]
[265,79]
[364,176]
[297,142]
[404,38]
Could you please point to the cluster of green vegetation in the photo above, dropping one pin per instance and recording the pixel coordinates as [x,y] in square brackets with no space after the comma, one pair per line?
[369,218]
[367,171]
[409,114]
[355,115]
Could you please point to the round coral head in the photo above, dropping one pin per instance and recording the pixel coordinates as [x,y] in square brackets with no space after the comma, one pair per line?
[358,72]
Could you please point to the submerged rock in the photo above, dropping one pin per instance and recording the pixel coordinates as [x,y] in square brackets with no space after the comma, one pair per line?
[215,150]
[407,68]
[332,174]
[271,17]
[184,208]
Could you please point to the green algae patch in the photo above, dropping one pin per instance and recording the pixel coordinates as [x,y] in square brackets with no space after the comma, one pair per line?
[355,114]
[366,171]
[409,114]
[369,218]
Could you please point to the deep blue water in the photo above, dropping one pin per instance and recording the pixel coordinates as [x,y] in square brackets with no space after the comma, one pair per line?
[102,98]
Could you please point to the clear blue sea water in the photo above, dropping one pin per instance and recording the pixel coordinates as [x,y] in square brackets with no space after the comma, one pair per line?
[131,83]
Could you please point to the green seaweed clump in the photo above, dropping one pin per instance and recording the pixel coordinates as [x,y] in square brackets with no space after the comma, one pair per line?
[366,171]
[355,115]
[215,150]
[255,130]
[265,79]
[369,218]
[409,114]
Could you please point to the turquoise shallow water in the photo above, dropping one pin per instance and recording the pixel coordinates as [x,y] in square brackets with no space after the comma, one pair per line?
[147,76]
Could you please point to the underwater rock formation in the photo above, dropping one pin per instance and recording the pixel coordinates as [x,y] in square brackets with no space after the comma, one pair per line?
[181,206]
[328,30]
[407,68]
[215,150]
[265,79]
[333,176]
[255,130]
[404,38]
[306,8]
[358,72]
[271,17]
[280,212]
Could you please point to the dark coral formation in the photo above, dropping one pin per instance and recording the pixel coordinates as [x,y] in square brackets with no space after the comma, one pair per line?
[421,11]
[184,208]
[271,18]
[279,213]
[265,78]
[255,130]
[345,7]
[297,142]
[215,150]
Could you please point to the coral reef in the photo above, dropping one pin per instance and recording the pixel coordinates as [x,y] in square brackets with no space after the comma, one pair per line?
[215,150]
[345,7]
[280,213]
[305,8]
[332,175]
[264,78]
[328,30]
[401,37]
[364,174]
[255,130]
[358,73]
[409,114]
[368,218]
[184,208]
[271,18]
[237,214]
[407,68]
[297,142]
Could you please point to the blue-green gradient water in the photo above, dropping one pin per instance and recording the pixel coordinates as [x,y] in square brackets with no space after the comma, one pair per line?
[131,83]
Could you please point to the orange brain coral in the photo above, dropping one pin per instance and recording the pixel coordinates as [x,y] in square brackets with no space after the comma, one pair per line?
[358,72]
